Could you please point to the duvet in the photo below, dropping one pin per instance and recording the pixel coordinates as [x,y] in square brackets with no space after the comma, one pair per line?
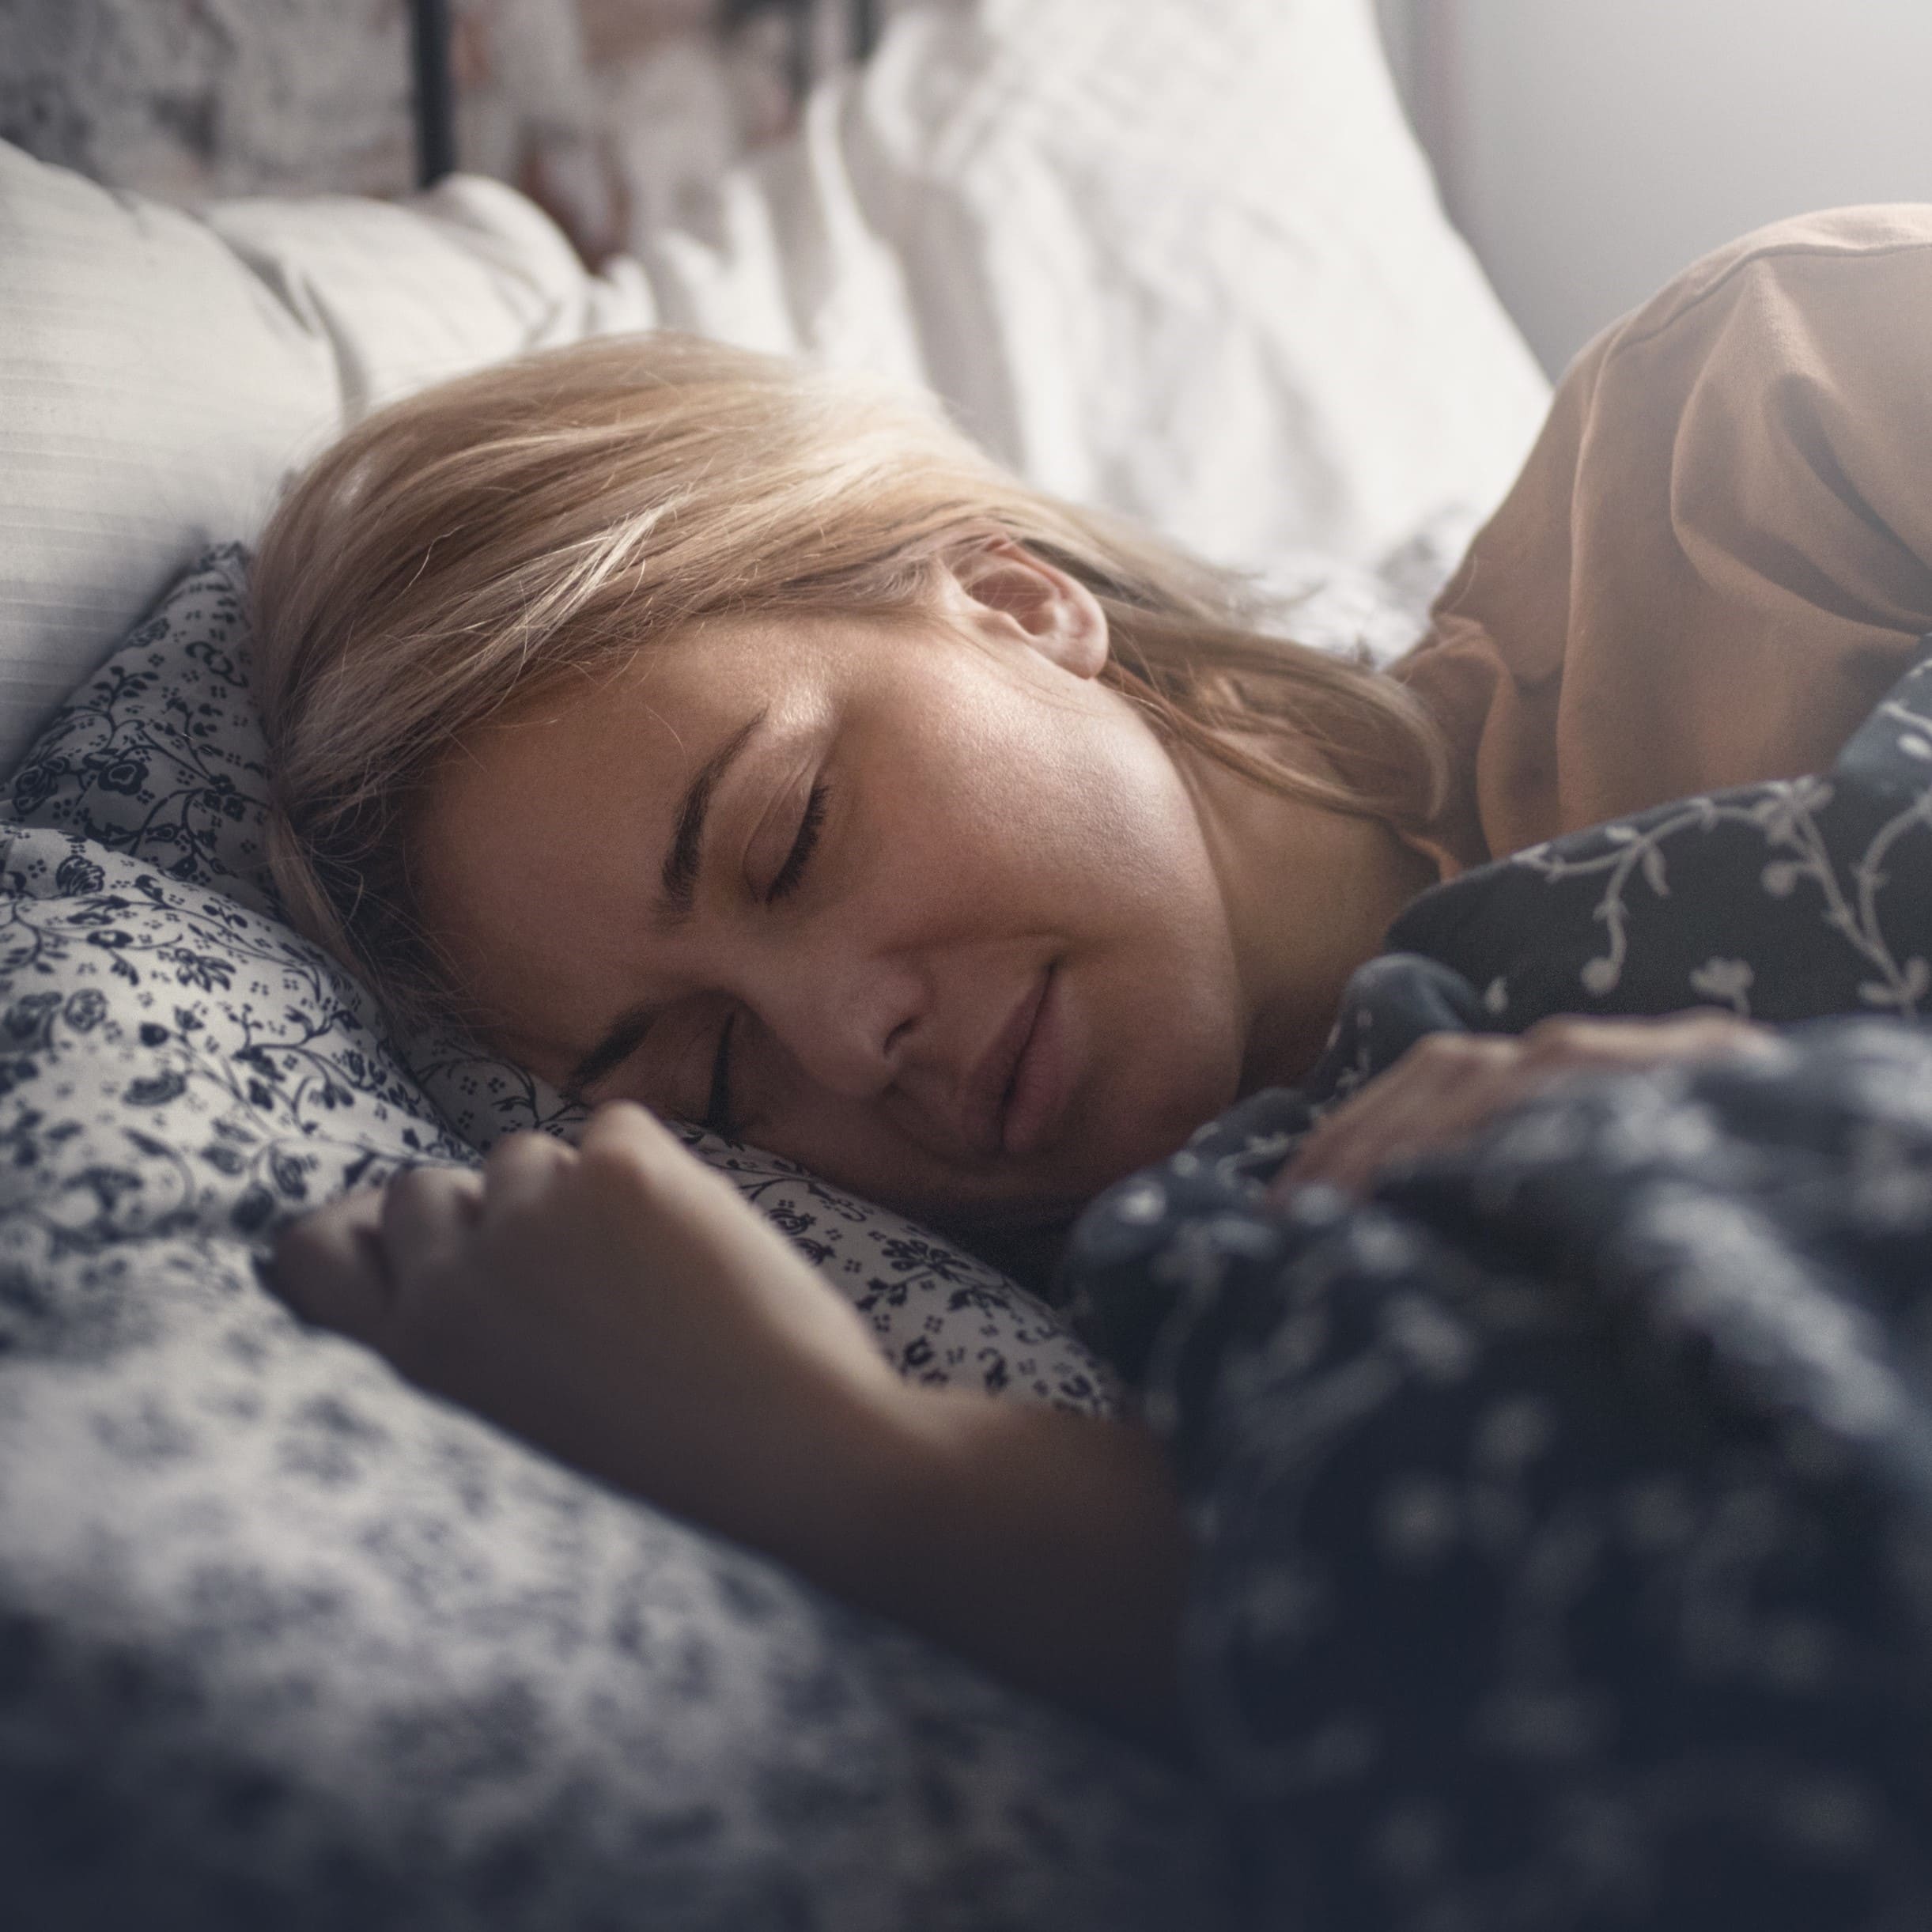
[1564,1512]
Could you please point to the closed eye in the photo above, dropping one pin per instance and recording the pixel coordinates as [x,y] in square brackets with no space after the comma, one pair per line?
[792,872]
[718,1118]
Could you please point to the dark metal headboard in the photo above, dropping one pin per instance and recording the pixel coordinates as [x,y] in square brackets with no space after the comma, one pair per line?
[435,85]
[864,27]
[436,92]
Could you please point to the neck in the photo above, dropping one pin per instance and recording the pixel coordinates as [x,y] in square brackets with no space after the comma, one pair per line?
[1310,892]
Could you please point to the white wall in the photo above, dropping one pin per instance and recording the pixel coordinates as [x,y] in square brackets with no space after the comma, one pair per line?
[1589,148]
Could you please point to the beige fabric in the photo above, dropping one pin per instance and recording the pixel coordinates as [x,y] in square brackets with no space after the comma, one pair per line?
[1719,553]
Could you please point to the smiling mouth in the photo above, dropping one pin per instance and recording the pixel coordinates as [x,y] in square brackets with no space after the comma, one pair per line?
[990,1096]
[1037,1088]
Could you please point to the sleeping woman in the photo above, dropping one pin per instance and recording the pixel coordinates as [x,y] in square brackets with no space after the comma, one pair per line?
[731,742]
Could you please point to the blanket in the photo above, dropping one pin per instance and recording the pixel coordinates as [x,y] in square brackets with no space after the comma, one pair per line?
[1564,1513]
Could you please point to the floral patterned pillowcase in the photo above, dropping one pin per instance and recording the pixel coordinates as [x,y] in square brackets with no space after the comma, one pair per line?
[288,1641]
[159,759]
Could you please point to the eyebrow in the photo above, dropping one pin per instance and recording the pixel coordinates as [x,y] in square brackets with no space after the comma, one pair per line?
[685,859]
[684,865]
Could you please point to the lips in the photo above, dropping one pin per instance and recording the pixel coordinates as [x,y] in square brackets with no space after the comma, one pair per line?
[990,1085]
[1042,1075]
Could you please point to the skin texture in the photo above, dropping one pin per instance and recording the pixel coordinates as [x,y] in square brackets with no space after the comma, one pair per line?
[996,827]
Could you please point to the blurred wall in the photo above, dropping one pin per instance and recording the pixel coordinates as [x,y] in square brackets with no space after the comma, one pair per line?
[186,98]
[1589,148]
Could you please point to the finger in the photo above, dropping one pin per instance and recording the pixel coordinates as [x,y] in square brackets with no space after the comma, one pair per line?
[1707,1032]
[1700,1033]
[330,1267]
[1393,1130]
[427,1214]
[1427,1123]
[624,1141]
[521,1171]
[625,1130]
[1467,1100]
[649,1175]
[1434,1095]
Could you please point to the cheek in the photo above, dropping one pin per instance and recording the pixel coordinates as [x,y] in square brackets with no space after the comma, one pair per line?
[1169,1034]
[1164,975]
[1079,831]
[1072,807]
[1152,961]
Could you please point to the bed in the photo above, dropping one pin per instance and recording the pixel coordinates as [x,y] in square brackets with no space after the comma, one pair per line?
[283,1641]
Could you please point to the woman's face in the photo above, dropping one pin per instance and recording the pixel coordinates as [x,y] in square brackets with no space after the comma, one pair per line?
[918,902]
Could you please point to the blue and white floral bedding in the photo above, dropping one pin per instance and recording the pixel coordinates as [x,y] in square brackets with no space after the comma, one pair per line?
[285,1643]
[1565,1554]
[1564,1516]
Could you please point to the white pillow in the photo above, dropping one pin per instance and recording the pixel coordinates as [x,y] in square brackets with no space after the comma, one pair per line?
[1181,257]
[160,372]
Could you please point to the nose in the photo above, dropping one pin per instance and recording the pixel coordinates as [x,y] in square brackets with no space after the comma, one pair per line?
[844,1012]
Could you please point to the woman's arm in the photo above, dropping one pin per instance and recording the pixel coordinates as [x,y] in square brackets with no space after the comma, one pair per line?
[1048,1546]
[621,1306]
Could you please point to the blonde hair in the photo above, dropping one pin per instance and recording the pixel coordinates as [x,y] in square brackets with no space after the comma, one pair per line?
[460,553]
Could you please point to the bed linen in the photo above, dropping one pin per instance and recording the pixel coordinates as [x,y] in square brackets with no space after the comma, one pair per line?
[1196,272]
[1183,259]
[282,1642]
[1564,1514]
[285,1643]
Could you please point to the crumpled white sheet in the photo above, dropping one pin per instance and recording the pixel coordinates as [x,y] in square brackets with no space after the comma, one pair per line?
[1180,257]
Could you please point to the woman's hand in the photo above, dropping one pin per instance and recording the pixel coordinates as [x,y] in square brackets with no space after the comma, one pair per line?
[1449,1085]
[619,1305]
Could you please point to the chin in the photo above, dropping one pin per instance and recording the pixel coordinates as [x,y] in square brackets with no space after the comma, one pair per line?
[1128,1153]
[1206,1087]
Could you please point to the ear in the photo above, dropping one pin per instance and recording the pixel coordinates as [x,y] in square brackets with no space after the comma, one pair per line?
[1051,612]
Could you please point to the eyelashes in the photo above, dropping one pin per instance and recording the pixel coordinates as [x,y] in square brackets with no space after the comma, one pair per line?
[719,1117]
[718,1106]
[792,872]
